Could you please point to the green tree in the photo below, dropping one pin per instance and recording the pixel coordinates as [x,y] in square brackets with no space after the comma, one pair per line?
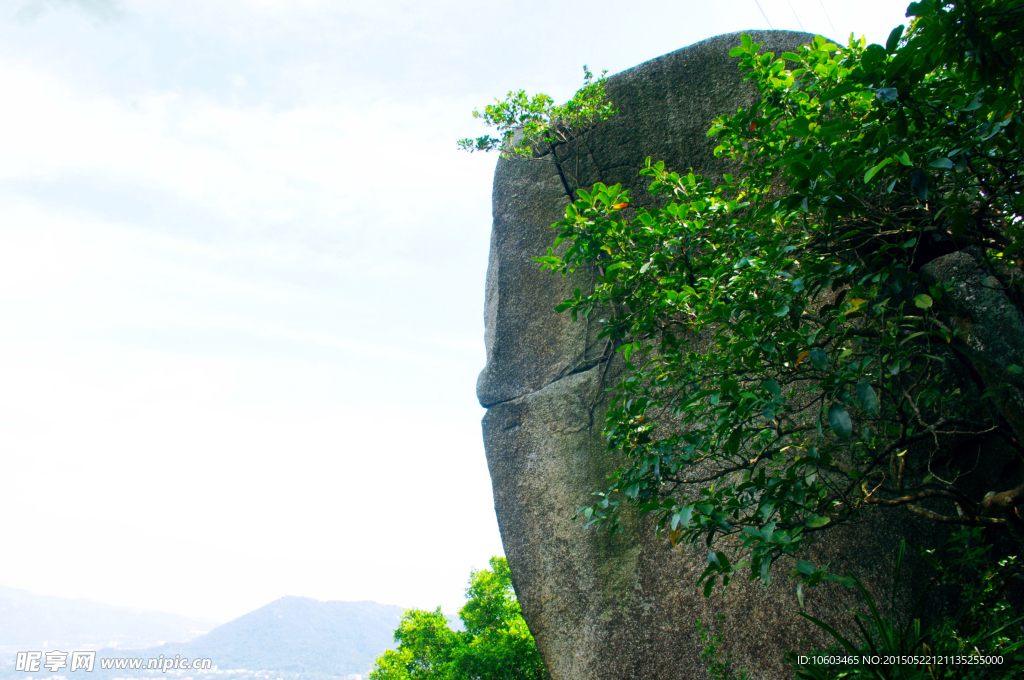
[526,122]
[496,644]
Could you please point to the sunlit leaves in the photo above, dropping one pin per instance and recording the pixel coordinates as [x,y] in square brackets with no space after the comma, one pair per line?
[526,123]
[496,643]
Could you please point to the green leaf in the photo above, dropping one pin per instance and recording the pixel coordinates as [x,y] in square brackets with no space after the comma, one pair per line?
[815,521]
[845,580]
[819,359]
[839,91]
[839,421]
[922,301]
[874,171]
[872,56]
[919,184]
[868,398]
[893,40]
[974,105]
[801,170]
[682,516]
[941,163]
[772,386]
[904,158]
[801,126]
[1015,369]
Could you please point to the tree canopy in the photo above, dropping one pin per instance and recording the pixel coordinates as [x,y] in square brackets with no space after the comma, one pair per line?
[495,645]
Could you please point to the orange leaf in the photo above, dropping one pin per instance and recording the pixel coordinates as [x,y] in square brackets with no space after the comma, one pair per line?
[619,206]
[800,357]
[753,126]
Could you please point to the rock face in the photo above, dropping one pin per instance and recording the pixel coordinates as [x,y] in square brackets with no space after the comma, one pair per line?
[621,606]
[991,327]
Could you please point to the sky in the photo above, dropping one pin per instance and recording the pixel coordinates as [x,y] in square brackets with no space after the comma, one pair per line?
[242,270]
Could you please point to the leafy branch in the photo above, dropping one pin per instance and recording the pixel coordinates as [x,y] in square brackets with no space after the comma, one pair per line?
[528,123]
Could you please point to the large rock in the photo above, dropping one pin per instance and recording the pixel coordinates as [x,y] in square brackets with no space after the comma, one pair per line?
[618,606]
[991,327]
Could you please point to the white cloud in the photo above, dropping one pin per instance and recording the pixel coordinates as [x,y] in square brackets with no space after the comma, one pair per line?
[219,383]
[104,10]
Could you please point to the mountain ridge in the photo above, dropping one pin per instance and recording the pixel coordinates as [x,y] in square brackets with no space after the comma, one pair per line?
[293,634]
[30,619]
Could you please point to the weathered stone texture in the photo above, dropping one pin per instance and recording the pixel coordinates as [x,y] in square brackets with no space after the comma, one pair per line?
[619,607]
[991,327]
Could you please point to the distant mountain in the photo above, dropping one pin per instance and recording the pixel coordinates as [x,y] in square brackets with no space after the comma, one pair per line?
[293,636]
[38,622]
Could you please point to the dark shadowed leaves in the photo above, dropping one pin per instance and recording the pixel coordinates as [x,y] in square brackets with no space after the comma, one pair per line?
[839,420]
[819,359]
[867,396]
[919,184]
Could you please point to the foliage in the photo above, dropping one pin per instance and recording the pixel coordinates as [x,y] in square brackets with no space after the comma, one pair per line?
[527,122]
[787,368]
[496,644]
[985,625]
[718,668]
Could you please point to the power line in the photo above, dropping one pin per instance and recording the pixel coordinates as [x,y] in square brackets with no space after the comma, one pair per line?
[796,15]
[764,15]
[835,33]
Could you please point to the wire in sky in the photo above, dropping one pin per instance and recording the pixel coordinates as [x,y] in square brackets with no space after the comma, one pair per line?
[764,15]
[796,15]
[835,33]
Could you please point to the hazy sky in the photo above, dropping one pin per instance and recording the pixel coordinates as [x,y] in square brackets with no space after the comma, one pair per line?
[243,274]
